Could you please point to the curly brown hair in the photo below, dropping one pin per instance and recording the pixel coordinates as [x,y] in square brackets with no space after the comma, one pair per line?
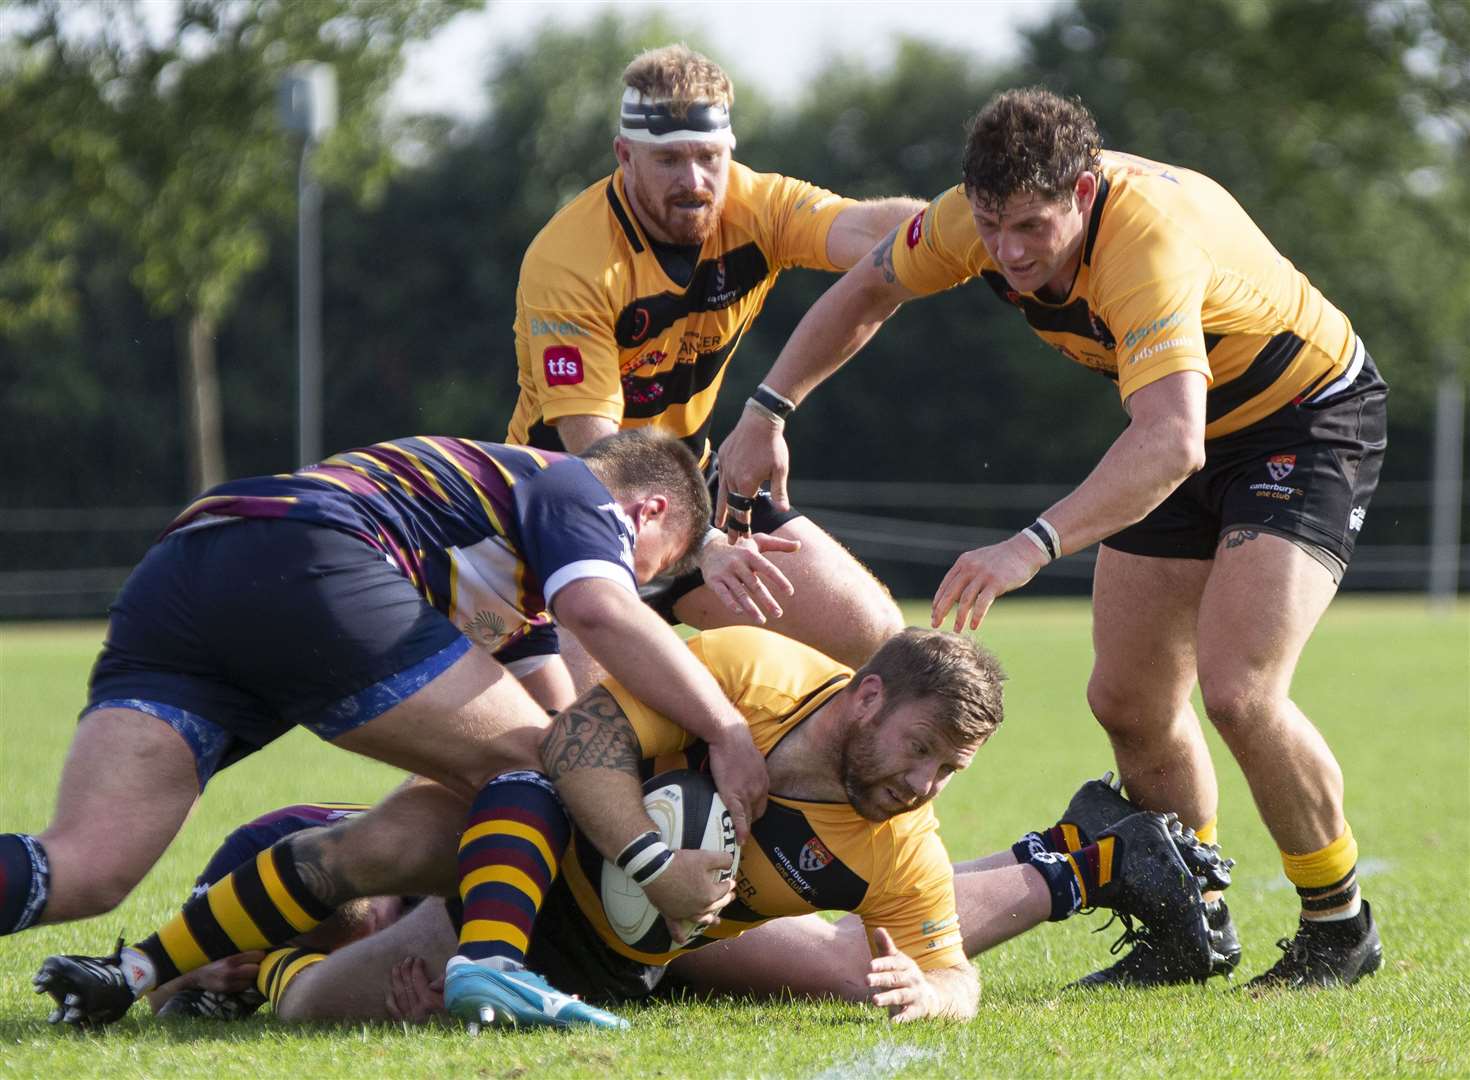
[1028,141]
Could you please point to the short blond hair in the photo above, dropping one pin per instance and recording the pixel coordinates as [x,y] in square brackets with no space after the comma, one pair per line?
[679,76]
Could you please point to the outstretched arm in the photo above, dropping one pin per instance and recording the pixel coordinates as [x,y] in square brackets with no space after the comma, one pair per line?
[1162,446]
[848,314]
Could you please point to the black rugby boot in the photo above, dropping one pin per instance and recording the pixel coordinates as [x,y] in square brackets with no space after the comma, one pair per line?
[89,991]
[213,1004]
[1325,954]
[1150,881]
[1097,805]
[1153,963]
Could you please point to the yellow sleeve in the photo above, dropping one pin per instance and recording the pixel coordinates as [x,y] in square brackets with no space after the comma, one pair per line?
[1151,292]
[657,734]
[565,342]
[916,902]
[939,247]
[797,217]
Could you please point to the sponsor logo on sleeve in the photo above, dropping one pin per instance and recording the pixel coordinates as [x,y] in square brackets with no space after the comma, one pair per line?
[1137,335]
[563,365]
[916,228]
[557,328]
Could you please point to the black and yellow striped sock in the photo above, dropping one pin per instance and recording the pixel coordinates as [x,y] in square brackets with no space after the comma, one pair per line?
[1326,880]
[262,904]
[279,968]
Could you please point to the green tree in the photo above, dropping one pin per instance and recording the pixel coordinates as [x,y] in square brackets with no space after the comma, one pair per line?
[167,146]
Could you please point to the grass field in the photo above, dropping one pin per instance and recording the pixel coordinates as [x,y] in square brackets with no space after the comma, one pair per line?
[1388,684]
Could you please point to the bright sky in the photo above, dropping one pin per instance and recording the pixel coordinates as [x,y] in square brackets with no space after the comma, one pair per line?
[778,44]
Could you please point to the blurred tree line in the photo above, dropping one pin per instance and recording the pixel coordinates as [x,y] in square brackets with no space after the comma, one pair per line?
[147,200]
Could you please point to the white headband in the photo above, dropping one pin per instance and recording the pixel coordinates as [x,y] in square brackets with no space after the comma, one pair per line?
[646,120]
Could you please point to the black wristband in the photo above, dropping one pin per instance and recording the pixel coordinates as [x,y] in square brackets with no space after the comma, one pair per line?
[767,398]
[1045,537]
[636,846]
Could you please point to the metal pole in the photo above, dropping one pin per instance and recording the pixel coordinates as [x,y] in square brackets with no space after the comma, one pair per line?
[308,311]
[1444,522]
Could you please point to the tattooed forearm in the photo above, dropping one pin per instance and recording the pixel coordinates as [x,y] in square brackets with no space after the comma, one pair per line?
[1235,537]
[592,734]
[883,256]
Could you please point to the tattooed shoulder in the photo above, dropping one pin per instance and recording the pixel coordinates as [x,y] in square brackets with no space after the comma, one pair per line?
[593,734]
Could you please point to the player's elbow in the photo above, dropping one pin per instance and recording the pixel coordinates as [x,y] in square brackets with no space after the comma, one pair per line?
[1179,451]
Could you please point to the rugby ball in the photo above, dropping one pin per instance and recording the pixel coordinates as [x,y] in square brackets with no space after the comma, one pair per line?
[688,813]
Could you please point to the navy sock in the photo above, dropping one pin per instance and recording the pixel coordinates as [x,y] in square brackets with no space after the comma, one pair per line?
[1061,882]
[25,882]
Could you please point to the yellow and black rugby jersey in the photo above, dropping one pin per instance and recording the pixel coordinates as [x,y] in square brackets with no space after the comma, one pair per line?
[602,330]
[1174,277]
[801,856]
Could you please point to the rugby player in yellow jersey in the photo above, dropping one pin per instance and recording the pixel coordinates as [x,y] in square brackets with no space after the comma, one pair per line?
[1227,509]
[855,759]
[633,299]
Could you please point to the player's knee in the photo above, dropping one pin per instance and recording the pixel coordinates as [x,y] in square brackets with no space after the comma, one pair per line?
[881,620]
[1117,707]
[1134,709]
[1236,701]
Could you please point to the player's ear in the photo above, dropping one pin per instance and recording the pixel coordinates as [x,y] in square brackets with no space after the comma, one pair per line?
[653,508]
[1085,190]
[622,150]
[869,693]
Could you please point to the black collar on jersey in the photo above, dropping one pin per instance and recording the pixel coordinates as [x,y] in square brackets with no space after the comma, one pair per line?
[621,213]
[1095,218]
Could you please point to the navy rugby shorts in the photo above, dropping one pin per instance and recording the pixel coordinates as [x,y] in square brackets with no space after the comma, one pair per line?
[662,593]
[235,632]
[1307,473]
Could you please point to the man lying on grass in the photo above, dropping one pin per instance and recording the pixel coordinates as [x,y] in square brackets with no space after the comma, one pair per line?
[855,759]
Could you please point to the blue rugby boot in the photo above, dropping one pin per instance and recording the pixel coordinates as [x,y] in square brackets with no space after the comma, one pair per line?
[512,995]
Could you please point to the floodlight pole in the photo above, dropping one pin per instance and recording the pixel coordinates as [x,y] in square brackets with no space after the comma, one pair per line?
[1446,485]
[308,108]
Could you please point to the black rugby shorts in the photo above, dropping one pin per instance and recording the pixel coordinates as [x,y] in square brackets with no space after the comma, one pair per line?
[1307,472]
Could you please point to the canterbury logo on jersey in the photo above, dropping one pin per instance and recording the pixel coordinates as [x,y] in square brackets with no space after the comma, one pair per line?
[716,284]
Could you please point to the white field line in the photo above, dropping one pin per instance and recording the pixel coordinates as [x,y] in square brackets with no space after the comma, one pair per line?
[883,1060]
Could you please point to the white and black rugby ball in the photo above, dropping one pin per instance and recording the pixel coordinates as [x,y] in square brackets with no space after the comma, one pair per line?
[688,813]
